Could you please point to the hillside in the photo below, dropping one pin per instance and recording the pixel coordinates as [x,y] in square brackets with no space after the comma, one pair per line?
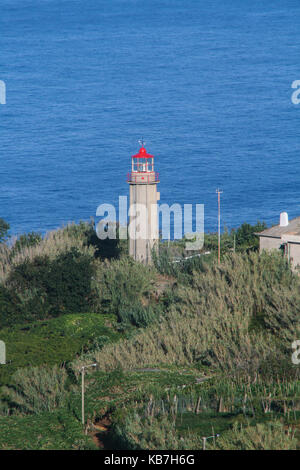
[184,350]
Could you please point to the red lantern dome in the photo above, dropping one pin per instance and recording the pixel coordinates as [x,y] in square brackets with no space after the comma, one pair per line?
[142,154]
[142,168]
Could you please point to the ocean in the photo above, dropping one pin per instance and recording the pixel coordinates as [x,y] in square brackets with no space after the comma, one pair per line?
[206,83]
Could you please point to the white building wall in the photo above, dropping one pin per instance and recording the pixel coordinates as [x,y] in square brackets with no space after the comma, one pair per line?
[268,243]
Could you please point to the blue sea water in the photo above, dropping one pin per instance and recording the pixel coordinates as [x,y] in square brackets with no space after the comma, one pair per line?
[207,83]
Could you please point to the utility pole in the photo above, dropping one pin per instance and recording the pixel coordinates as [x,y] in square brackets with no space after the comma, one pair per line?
[82,389]
[218,191]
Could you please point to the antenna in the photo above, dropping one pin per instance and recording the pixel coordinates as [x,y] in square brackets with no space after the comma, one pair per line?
[218,191]
[142,142]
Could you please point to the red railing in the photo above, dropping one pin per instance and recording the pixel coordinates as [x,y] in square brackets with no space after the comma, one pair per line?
[143,177]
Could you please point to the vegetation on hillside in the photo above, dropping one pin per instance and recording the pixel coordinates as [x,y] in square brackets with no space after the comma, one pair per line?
[185,349]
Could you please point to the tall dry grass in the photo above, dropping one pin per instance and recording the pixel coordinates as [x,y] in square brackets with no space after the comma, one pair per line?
[262,436]
[38,389]
[156,433]
[233,317]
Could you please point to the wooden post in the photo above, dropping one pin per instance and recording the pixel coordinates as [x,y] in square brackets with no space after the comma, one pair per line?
[82,389]
[198,405]
[82,395]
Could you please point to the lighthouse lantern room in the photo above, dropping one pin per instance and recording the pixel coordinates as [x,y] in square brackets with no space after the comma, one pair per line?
[142,168]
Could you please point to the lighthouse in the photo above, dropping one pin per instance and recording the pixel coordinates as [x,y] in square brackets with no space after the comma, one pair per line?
[143,213]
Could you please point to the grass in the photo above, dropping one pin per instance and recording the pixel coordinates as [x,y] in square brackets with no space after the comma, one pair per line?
[207,423]
[272,435]
[159,411]
[49,431]
[231,325]
[54,341]
[105,393]
[210,321]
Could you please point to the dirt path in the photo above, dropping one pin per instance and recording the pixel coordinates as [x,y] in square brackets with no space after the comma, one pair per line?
[99,432]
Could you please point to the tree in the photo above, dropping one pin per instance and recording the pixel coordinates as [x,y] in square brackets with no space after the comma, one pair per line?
[246,238]
[42,287]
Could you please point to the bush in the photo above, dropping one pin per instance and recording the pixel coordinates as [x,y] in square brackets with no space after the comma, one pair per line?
[243,239]
[51,245]
[69,280]
[27,290]
[58,430]
[54,341]
[7,310]
[246,238]
[39,288]
[137,315]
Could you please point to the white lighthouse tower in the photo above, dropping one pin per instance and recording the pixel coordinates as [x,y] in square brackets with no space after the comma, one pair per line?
[143,214]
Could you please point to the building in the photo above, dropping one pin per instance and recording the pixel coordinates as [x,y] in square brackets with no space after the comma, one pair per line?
[285,237]
[143,213]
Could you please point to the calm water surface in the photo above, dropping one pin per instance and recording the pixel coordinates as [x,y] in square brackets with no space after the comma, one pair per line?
[207,83]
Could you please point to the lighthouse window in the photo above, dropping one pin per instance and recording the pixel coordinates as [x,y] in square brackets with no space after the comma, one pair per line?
[142,165]
[150,164]
[135,165]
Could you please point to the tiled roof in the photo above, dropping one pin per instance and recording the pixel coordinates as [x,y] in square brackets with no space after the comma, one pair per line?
[293,228]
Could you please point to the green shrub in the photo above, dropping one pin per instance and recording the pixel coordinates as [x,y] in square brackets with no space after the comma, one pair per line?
[58,430]
[98,343]
[51,245]
[242,240]
[246,238]
[54,341]
[27,290]
[163,262]
[137,315]
[68,285]
[103,249]
[7,310]
[39,288]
